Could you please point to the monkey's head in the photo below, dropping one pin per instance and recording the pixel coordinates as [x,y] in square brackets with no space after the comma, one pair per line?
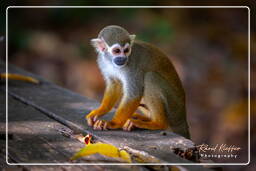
[115,43]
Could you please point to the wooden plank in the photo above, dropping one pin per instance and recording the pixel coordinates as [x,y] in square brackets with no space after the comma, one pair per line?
[37,139]
[69,109]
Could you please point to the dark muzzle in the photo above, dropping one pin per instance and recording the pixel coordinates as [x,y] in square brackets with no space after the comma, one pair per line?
[120,60]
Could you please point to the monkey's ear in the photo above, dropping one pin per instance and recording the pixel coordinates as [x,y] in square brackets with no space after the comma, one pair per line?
[99,44]
[132,37]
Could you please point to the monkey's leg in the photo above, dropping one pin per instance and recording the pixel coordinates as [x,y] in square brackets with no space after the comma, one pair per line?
[124,111]
[157,122]
[143,113]
[157,117]
[153,98]
[166,106]
[128,126]
[140,117]
[111,96]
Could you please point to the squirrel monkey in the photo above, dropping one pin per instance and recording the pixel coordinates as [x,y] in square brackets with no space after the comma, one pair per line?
[141,77]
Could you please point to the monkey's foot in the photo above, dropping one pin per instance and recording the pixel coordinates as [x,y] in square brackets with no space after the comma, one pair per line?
[128,126]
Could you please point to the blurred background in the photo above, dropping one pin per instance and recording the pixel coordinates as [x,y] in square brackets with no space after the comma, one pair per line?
[208,47]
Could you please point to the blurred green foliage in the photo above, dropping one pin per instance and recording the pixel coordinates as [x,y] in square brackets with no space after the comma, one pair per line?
[159,30]
[156,29]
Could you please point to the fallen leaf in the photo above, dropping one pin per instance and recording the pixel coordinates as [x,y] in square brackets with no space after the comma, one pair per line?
[18,77]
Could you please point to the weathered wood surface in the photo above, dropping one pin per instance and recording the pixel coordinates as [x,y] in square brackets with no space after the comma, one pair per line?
[35,138]
[34,110]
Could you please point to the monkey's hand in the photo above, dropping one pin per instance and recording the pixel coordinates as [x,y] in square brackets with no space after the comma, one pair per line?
[105,125]
[92,117]
[92,120]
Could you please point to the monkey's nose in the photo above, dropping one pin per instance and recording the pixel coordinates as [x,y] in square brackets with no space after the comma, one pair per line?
[120,60]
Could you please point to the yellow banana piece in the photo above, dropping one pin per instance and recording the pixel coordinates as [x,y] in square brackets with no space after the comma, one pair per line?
[103,149]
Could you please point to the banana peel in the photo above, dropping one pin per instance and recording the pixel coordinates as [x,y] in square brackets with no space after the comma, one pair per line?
[18,77]
[101,148]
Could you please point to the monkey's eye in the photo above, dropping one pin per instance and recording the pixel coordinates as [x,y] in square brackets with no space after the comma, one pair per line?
[126,50]
[116,51]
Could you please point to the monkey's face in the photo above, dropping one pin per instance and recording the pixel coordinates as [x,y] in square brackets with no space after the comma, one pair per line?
[114,44]
[119,54]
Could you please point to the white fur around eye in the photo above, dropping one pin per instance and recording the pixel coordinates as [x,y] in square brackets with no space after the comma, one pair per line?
[116,45]
[127,45]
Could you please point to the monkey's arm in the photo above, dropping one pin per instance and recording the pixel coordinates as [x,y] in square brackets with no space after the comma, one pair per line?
[111,96]
[125,110]
[127,107]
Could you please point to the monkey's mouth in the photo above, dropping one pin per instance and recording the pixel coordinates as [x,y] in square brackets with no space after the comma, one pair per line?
[120,61]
